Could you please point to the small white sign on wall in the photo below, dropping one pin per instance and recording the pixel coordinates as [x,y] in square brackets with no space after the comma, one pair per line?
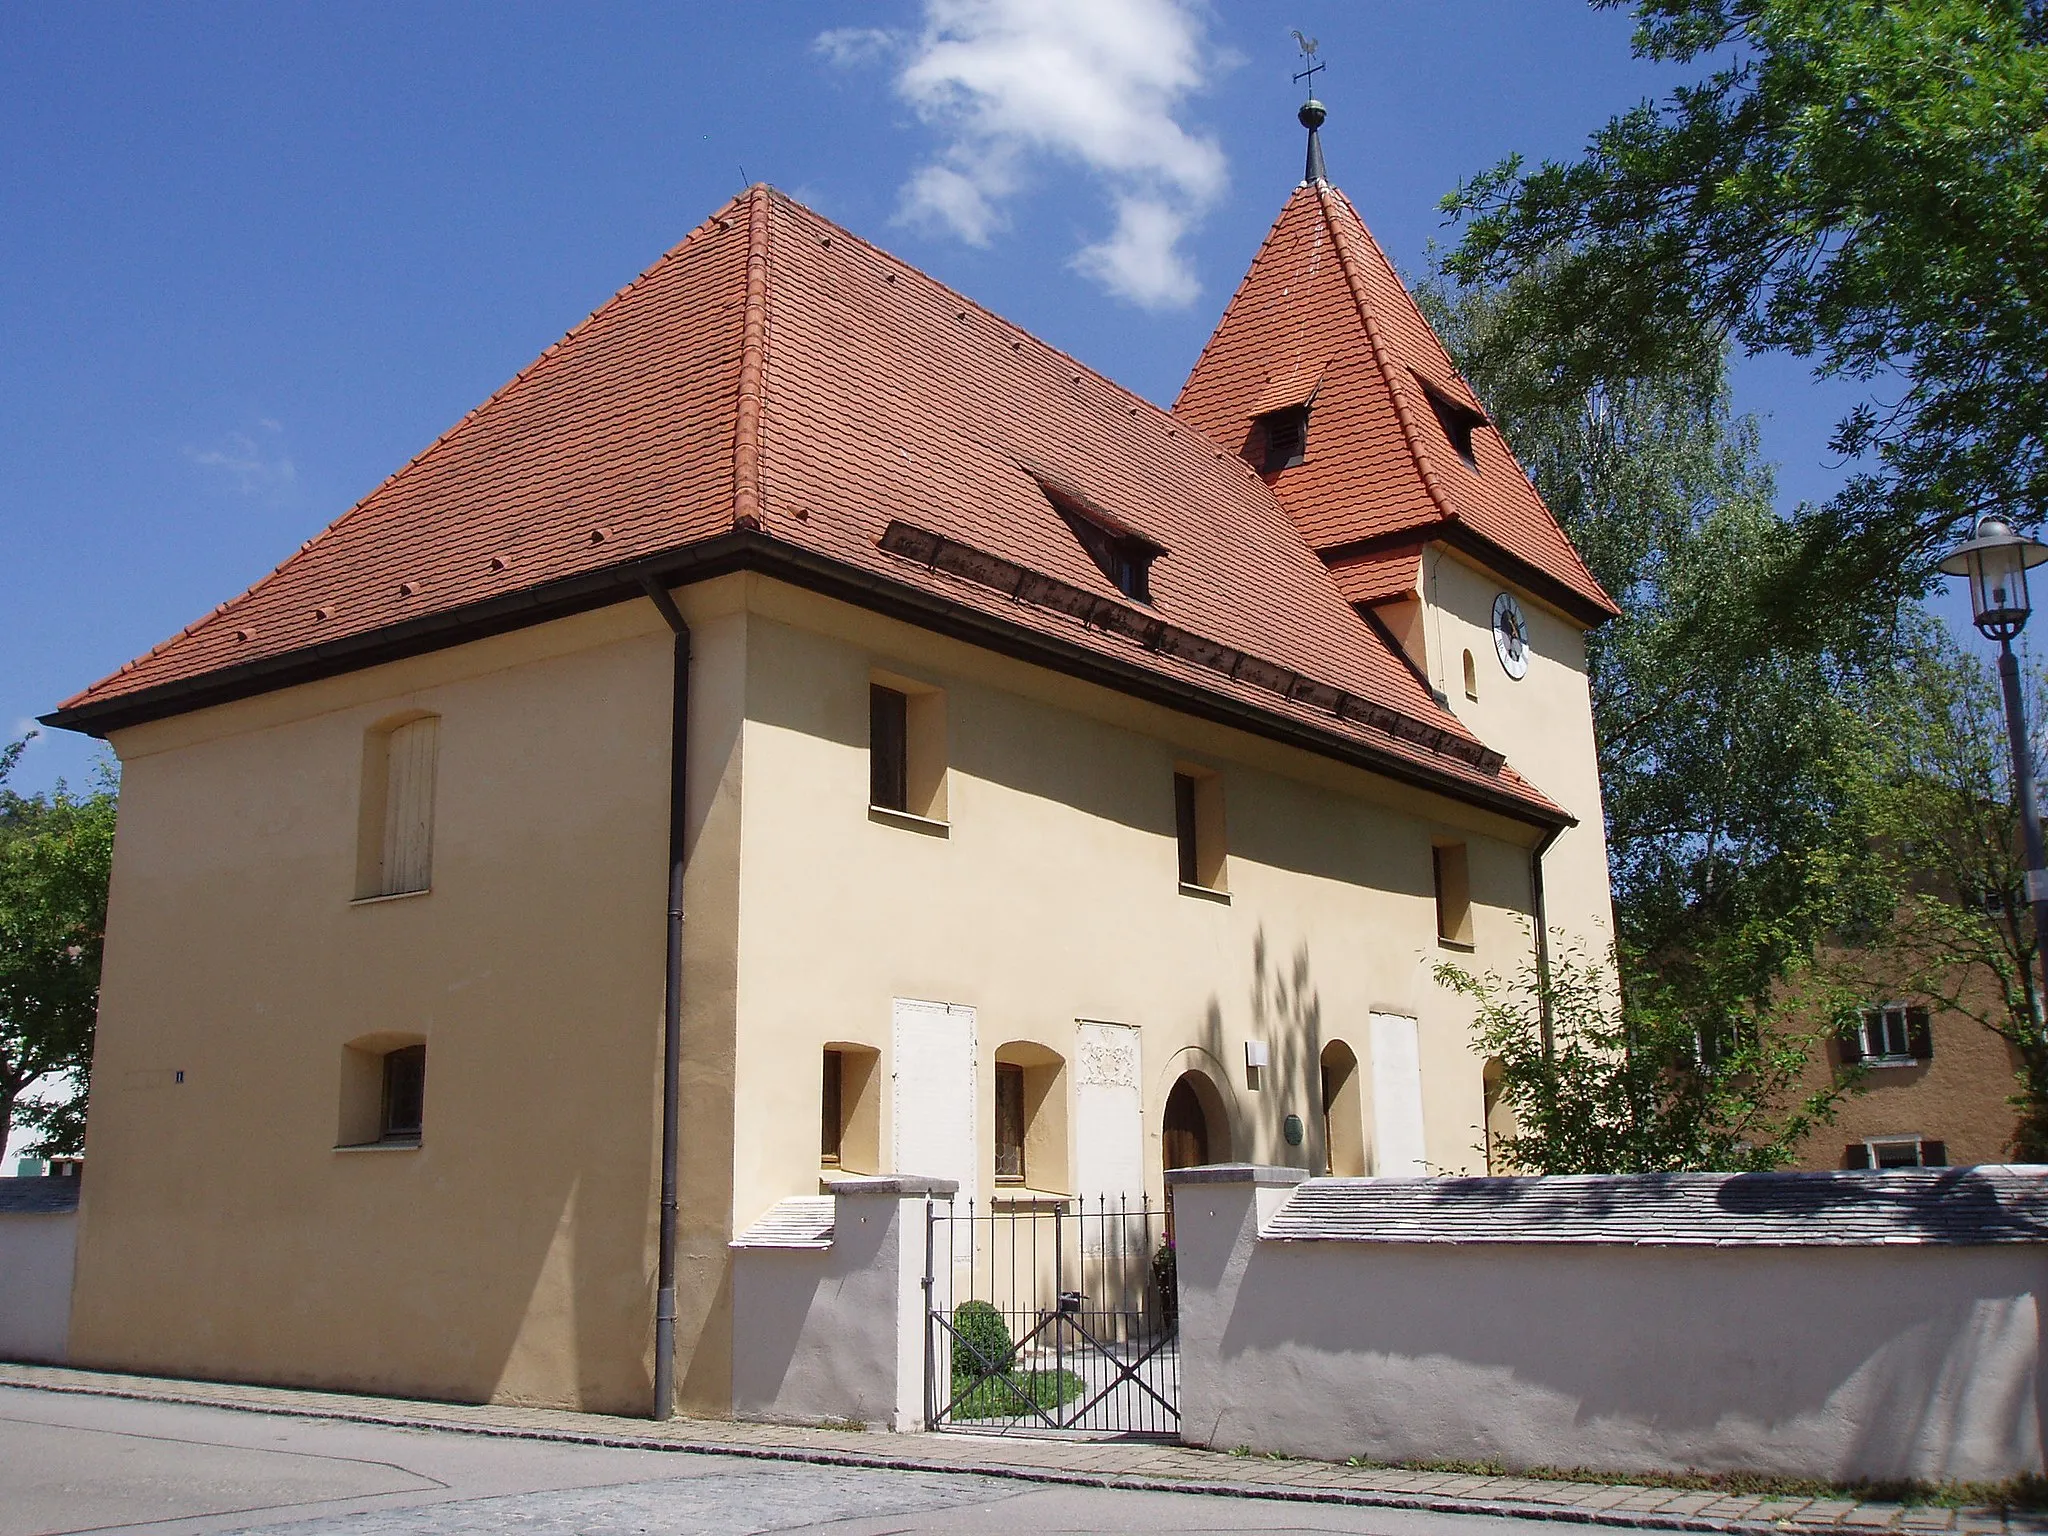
[1397,1098]
[1109,1110]
[933,1101]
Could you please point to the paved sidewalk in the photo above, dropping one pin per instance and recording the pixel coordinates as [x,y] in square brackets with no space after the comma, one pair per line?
[1094,1463]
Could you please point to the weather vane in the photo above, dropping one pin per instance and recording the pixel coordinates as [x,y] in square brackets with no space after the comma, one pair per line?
[1312,114]
[1308,46]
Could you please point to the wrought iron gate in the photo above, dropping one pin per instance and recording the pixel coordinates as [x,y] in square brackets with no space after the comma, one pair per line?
[1051,1316]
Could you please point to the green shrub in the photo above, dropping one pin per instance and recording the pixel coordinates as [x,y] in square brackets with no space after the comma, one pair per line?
[1006,1396]
[981,1341]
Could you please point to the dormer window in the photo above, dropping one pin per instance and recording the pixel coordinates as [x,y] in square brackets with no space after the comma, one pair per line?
[1458,421]
[1120,553]
[1286,438]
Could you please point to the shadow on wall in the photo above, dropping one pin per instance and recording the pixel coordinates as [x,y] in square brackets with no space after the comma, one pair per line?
[1101,770]
[1852,1361]
[1284,1010]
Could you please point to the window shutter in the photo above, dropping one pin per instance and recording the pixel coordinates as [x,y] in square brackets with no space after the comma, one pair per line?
[1856,1155]
[409,806]
[1919,1034]
[1849,1041]
[1933,1154]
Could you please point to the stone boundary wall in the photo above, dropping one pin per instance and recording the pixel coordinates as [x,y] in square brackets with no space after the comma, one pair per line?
[1829,1326]
[828,1323]
[38,1246]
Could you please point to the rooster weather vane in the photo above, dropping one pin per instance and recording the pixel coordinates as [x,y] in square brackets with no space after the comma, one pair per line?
[1308,47]
[1311,114]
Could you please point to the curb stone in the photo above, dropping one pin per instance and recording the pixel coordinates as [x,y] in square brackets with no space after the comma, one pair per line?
[470,1419]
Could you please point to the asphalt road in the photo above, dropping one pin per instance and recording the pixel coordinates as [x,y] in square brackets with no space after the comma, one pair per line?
[76,1463]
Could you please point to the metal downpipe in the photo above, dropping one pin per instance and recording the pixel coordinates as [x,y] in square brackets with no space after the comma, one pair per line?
[672,1007]
[1540,917]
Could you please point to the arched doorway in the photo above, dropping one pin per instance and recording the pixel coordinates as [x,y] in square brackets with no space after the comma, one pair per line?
[1343,1120]
[1196,1129]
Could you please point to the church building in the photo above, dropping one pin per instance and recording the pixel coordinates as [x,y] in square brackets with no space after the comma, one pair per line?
[805,725]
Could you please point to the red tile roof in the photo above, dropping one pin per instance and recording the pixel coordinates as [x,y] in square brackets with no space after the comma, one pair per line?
[1322,299]
[1380,574]
[780,389]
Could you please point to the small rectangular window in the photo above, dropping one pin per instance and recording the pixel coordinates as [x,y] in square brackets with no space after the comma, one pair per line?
[1453,894]
[888,748]
[1895,1034]
[832,1123]
[405,1094]
[1895,1152]
[1198,828]
[907,747]
[1009,1124]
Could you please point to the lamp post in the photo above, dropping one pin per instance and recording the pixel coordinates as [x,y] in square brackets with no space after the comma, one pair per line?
[1995,560]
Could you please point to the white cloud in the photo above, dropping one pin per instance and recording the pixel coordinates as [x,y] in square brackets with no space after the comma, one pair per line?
[1141,261]
[856,45]
[1094,84]
[258,468]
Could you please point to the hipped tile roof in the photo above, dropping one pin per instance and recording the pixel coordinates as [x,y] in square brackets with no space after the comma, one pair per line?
[1322,298]
[778,387]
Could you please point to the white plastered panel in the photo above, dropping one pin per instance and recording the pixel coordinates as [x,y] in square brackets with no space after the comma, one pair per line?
[1397,1098]
[1109,1131]
[933,1105]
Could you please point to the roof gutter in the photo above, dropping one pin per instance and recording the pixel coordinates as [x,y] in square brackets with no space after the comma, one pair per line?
[769,556]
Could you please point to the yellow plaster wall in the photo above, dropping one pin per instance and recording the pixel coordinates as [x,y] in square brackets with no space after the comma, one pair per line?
[1542,721]
[1052,896]
[510,1257]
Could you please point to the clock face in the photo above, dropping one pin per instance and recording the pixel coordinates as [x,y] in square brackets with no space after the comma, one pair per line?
[1510,635]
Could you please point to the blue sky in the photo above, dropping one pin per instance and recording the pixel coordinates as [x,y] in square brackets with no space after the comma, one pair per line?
[254,257]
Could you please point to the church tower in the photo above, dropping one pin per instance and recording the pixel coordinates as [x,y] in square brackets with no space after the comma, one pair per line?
[1324,375]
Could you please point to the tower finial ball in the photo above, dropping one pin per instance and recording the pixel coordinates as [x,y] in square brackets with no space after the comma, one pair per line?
[1312,115]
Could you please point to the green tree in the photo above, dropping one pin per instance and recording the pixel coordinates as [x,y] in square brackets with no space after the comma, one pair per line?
[1730,752]
[1859,182]
[56,853]
[1636,1089]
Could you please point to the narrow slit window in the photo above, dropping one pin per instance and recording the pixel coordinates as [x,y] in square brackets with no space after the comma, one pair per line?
[405,1094]
[1198,828]
[888,748]
[1471,677]
[832,1117]
[1453,894]
[1009,1123]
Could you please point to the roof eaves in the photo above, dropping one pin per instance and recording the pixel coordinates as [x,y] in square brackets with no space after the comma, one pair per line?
[757,551]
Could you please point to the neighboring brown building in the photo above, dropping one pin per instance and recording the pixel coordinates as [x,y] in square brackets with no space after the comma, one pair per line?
[1936,1091]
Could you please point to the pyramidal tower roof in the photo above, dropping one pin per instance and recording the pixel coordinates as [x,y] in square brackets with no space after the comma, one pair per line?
[1322,320]
[776,394]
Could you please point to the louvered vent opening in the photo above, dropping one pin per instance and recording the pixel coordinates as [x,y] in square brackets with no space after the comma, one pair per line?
[1459,422]
[1284,439]
[1122,555]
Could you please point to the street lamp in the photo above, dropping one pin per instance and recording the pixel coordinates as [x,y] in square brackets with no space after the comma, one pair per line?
[1995,560]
